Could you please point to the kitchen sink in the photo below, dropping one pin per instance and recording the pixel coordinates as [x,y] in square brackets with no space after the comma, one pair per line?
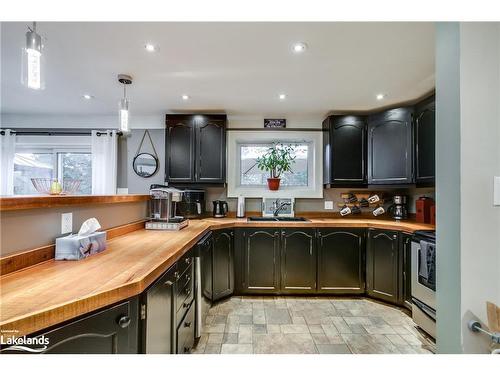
[259,218]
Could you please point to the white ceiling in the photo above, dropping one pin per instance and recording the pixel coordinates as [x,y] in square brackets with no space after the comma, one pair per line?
[238,68]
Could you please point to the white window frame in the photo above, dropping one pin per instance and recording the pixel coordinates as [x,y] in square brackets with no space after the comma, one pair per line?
[53,145]
[314,139]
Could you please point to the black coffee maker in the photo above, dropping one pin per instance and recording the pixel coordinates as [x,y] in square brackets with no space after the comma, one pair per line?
[399,209]
[220,208]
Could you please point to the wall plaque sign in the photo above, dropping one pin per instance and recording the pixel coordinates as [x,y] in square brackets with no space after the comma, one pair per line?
[275,123]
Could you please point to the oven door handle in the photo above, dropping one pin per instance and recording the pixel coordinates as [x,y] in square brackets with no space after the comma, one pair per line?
[430,313]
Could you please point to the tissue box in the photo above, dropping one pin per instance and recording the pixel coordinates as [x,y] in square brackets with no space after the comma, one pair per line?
[75,247]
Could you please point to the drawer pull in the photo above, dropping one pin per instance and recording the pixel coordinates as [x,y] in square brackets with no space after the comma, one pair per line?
[176,275]
[188,278]
[188,291]
[187,324]
[186,305]
[187,260]
[124,321]
[187,349]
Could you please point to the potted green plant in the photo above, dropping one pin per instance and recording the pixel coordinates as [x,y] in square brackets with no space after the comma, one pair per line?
[277,160]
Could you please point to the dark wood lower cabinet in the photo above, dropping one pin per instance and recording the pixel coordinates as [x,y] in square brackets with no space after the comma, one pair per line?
[382,265]
[260,260]
[298,260]
[405,270]
[222,264]
[110,331]
[341,261]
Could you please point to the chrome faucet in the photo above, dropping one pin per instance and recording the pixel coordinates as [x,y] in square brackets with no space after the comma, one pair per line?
[279,207]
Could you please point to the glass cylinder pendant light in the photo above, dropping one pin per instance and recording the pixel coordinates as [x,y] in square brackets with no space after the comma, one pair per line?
[32,60]
[123,105]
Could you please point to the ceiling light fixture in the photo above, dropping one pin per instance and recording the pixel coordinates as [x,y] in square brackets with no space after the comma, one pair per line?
[31,72]
[380,96]
[185,97]
[150,47]
[299,47]
[88,97]
[123,105]
[282,96]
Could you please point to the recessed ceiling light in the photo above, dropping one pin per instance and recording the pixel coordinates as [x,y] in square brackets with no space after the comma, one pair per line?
[299,47]
[282,96]
[380,96]
[87,96]
[150,47]
[185,97]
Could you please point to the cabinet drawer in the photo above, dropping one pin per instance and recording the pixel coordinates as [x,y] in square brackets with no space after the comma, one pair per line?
[184,262]
[185,288]
[185,332]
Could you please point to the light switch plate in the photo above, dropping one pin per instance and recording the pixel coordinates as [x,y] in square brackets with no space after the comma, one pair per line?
[328,205]
[496,191]
[66,223]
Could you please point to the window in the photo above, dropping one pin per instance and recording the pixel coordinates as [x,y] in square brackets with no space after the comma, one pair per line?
[251,175]
[245,179]
[52,163]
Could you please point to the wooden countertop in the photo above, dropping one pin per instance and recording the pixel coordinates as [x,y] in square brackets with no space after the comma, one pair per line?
[26,202]
[52,292]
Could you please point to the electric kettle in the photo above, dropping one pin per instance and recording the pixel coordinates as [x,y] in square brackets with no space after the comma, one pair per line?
[220,208]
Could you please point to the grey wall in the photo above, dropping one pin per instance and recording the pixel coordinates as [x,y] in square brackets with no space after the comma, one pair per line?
[480,161]
[448,186]
[28,229]
[136,184]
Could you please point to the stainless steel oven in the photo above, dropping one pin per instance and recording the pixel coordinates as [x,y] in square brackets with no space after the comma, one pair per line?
[423,280]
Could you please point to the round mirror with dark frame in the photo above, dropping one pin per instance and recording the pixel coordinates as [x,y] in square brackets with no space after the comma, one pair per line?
[145,164]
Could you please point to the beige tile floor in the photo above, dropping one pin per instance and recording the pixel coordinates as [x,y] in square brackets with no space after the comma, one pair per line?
[309,325]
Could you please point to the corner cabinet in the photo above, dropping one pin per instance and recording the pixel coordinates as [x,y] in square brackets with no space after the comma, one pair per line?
[195,149]
[222,264]
[344,141]
[298,260]
[341,261]
[382,265]
[425,142]
[390,147]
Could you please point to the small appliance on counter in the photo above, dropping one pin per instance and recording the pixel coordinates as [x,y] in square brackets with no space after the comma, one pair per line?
[399,208]
[192,204]
[163,204]
[423,280]
[221,209]
[240,209]
[423,207]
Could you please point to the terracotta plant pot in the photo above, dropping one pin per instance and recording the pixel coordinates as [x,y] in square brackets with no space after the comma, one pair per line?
[273,183]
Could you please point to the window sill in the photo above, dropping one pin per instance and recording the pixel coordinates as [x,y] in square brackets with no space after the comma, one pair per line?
[26,202]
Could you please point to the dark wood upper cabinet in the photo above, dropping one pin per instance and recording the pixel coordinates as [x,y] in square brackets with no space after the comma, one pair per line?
[261,260]
[298,260]
[196,149]
[344,150]
[223,264]
[425,142]
[390,147]
[341,260]
[179,147]
[382,265]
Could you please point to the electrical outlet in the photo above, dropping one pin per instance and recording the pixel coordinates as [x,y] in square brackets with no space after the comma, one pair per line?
[328,205]
[496,191]
[67,223]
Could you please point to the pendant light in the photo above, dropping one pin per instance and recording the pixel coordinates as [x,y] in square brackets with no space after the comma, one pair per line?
[123,105]
[32,64]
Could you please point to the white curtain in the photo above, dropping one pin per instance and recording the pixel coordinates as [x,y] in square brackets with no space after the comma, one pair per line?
[7,153]
[104,162]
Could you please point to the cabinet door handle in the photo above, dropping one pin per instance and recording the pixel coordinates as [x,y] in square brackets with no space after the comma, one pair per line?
[187,324]
[124,321]
[169,283]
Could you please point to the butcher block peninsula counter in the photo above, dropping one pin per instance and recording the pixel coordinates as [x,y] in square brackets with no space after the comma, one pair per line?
[52,292]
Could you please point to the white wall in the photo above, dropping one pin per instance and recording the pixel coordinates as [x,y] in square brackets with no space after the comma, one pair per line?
[480,161]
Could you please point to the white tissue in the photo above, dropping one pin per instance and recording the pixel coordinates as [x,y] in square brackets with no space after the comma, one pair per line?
[89,226]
